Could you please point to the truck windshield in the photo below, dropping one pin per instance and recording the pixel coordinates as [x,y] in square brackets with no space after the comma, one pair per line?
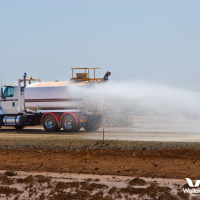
[8,92]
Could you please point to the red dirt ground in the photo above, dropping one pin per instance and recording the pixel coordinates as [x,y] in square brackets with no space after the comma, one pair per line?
[166,163]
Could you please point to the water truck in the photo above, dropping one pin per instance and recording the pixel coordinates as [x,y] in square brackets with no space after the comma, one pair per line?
[53,104]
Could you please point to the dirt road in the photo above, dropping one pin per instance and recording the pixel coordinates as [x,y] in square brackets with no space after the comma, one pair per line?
[142,129]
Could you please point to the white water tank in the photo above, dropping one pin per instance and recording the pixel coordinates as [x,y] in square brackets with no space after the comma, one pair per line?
[53,95]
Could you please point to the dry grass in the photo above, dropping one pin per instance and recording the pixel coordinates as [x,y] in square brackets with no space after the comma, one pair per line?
[7,191]
[70,196]
[27,180]
[5,180]
[166,196]
[42,197]
[112,190]
[73,184]
[63,185]
[92,186]
[100,193]
[95,180]
[183,195]
[153,190]
[88,180]
[187,186]
[10,173]
[42,179]
[137,181]
[97,197]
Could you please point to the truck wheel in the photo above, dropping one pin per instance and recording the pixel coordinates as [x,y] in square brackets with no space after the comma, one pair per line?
[50,124]
[18,127]
[91,127]
[93,123]
[69,123]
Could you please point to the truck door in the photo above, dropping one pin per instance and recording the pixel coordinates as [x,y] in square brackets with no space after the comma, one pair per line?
[10,101]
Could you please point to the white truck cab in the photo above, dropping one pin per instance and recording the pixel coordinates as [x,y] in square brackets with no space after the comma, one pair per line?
[10,99]
[12,110]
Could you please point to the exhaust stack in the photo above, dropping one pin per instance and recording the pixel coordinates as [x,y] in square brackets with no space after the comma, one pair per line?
[105,78]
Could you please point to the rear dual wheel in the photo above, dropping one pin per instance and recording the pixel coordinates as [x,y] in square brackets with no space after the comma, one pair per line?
[93,123]
[69,123]
[92,127]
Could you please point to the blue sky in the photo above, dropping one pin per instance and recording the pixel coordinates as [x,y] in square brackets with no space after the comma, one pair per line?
[155,41]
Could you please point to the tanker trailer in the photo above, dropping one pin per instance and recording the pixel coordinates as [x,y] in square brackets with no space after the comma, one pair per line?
[53,104]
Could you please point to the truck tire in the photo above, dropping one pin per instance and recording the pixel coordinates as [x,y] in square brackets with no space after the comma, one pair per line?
[18,127]
[50,124]
[69,123]
[93,123]
[92,127]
